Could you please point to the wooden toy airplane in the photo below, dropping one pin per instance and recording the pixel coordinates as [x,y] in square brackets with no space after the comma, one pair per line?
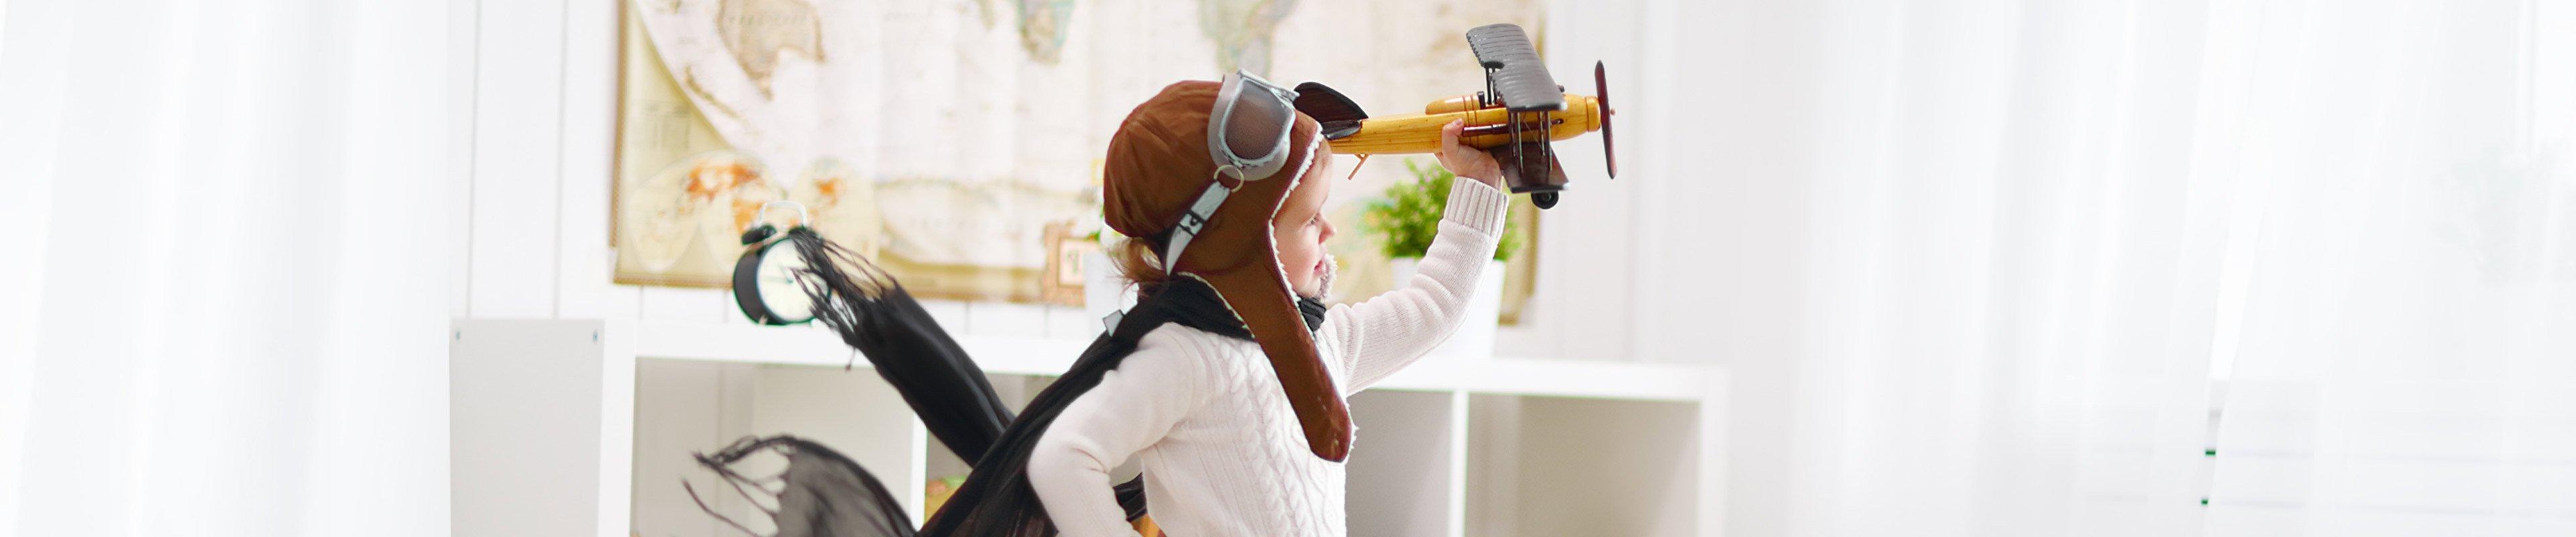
[1521,112]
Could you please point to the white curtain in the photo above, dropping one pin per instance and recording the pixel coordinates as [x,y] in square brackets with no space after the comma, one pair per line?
[2407,357]
[2006,272]
[222,303]
[2076,268]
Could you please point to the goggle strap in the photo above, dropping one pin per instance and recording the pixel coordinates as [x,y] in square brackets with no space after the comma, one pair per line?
[1193,221]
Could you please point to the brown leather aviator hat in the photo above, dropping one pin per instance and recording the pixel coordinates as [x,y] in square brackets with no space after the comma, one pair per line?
[1204,166]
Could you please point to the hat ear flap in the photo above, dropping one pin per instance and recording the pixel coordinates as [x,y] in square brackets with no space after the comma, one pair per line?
[1261,298]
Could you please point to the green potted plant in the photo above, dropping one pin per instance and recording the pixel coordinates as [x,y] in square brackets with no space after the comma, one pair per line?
[1406,218]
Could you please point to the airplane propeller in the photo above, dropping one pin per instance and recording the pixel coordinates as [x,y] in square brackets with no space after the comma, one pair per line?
[1601,85]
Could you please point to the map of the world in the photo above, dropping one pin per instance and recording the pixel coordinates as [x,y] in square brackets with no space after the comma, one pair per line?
[943,137]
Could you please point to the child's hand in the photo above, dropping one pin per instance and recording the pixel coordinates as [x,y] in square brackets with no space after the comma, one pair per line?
[1466,161]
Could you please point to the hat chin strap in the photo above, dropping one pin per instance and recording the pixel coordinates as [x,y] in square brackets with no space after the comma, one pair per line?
[1194,220]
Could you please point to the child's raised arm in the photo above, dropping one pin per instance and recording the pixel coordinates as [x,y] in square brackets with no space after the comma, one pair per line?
[1383,334]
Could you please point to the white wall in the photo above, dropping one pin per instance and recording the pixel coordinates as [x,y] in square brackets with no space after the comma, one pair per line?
[1724,284]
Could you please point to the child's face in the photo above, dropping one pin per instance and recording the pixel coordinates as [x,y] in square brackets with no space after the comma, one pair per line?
[1300,230]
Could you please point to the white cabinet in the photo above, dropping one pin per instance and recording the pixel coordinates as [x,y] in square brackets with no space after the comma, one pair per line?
[585,427]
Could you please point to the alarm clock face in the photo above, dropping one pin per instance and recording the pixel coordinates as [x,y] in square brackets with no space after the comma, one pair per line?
[779,284]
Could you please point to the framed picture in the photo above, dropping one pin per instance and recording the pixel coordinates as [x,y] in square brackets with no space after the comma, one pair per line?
[1065,266]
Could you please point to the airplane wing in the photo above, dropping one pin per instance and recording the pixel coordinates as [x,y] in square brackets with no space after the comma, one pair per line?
[1513,69]
[1339,115]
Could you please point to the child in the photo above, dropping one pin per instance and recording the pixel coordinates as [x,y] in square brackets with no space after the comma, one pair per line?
[1223,410]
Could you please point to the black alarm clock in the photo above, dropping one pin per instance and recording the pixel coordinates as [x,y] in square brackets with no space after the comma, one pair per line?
[768,281]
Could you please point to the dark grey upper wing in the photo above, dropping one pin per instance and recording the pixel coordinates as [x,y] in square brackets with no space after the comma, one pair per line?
[1513,69]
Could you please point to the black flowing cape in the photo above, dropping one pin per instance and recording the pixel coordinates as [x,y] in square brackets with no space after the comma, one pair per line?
[830,495]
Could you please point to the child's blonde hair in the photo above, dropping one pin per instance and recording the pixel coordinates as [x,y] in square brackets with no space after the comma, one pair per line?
[1139,260]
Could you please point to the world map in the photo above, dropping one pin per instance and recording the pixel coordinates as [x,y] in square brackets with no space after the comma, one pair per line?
[944,137]
[759,32]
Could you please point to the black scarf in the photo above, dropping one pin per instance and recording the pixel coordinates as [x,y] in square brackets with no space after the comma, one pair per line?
[1193,304]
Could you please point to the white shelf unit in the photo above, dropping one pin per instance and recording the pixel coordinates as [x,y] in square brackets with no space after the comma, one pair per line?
[585,427]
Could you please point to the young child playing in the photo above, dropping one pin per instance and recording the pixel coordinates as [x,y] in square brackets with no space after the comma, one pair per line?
[1236,433]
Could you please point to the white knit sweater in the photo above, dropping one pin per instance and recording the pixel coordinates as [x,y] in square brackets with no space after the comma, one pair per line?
[1221,451]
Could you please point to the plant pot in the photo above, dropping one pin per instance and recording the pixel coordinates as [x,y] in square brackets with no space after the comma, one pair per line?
[1474,339]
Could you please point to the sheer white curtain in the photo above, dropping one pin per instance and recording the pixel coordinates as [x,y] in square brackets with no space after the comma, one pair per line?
[2049,253]
[222,305]
[2407,358]
[2006,269]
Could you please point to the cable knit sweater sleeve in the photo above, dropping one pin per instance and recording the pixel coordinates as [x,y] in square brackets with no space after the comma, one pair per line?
[1383,334]
[1132,407]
